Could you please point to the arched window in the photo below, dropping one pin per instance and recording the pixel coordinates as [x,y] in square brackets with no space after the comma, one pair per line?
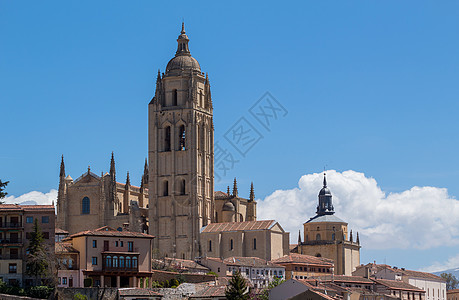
[182,137]
[210,246]
[121,261]
[166,188]
[333,236]
[115,261]
[174,98]
[318,255]
[182,187]
[183,255]
[128,262]
[200,100]
[254,244]
[108,261]
[134,262]
[318,237]
[231,245]
[307,238]
[318,228]
[85,206]
[167,139]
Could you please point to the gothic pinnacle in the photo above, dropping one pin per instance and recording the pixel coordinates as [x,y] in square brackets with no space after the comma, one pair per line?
[62,171]
[252,193]
[128,180]
[228,191]
[299,237]
[235,187]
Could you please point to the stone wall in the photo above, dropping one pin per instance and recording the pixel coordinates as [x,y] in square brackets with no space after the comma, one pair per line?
[188,277]
[13,297]
[91,293]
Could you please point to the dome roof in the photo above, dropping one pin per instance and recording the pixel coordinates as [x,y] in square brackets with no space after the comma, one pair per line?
[229,206]
[325,191]
[183,62]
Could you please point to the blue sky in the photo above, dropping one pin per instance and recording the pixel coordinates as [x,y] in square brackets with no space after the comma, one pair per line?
[369,86]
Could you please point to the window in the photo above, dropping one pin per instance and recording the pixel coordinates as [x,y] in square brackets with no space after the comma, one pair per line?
[254,244]
[165,188]
[174,97]
[12,268]
[94,261]
[29,219]
[45,219]
[115,261]
[130,246]
[231,245]
[210,246]
[182,136]
[121,261]
[85,207]
[333,236]
[318,237]
[108,261]
[167,139]
[182,187]
[121,244]
[116,243]
[128,262]
[94,243]
[64,280]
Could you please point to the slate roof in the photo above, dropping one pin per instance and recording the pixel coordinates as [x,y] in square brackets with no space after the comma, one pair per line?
[398,285]
[325,218]
[108,231]
[303,259]
[209,291]
[239,226]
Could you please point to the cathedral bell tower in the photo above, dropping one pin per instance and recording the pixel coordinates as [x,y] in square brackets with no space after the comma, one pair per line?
[181,155]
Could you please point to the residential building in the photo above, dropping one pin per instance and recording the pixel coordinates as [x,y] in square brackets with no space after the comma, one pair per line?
[452,294]
[300,266]
[433,285]
[399,289]
[263,239]
[16,225]
[259,272]
[68,264]
[110,257]
[326,235]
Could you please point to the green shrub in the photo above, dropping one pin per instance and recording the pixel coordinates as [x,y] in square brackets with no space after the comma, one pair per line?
[79,296]
[174,283]
[42,292]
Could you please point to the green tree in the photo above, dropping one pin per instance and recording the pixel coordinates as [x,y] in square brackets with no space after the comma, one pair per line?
[451,280]
[2,188]
[237,288]
[37,260]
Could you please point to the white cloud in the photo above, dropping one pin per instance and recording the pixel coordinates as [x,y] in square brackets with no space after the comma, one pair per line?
[421,217]
[451,263]
[34,196]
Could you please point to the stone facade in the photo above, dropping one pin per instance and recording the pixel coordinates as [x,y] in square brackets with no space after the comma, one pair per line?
[93,201]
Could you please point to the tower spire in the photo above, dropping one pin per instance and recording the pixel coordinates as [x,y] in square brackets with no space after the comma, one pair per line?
[357,240]
[128,180]
[112,167]
[299,237]
[325,180]
[235,187]
[62,171]
[228,191]
[325,206]
[182,47]
[145,173]
[252,193]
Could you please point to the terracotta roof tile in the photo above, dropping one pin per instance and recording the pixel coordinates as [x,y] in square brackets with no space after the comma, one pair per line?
[108,231]
[249,261]
[216,291]
[303,259]
[26,207]
[398,285]
[186,264]
[61,247]
[239,226]
[137,292]
[343,278]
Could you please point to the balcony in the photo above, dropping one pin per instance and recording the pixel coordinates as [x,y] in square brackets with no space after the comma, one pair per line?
[8,225]
[10,256]
[11,241]
[120,262]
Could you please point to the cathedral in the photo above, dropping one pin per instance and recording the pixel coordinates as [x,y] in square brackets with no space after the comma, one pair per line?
[176,201]
[176,197]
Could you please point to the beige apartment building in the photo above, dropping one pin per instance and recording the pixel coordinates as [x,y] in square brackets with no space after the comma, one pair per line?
[110,257]
[16,225]
[300,266]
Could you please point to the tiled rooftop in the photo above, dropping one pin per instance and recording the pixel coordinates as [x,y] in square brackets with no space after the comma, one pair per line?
[239,226]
